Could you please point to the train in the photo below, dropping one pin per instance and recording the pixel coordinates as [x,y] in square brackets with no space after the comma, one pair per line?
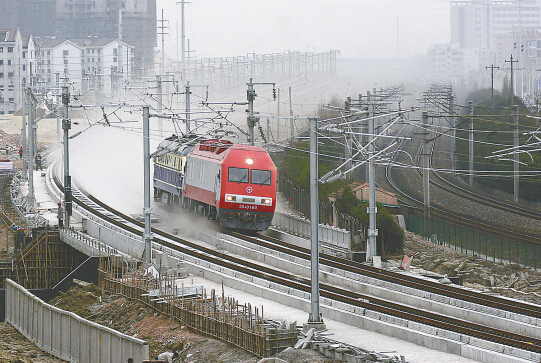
[234,184]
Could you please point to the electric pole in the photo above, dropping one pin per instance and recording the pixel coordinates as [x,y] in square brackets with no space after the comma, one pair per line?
[426,176]
[372,208]
[470,144]
[159,87]
[252,120]
[162,32]
[292,121]
[315,316]
[23,146]
[66,126]
[515,155]
[492,68]
[187,102]
[31,144]
[183,36]
[453,132]
[147,236]
[512,85]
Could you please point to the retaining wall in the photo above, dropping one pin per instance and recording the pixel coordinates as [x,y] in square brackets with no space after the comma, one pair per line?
[66,335]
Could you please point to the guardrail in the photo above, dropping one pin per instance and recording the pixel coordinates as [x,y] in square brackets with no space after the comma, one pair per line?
[66,335]
[333,236]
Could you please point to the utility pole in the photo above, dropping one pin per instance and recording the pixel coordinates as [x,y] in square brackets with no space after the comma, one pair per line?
[147,210]
[23,146]
[163,34]
[492,68]
[159,87]
[372,208]
[512,85]
[188,92]
[453,131]
[470,145]
[314,317]
[58,97]
[183,35]
[251,119]
[112,81]
[426,176]
[291,121]
[278,113]
[120,63]
[66,126]
[31,151]
[515,155]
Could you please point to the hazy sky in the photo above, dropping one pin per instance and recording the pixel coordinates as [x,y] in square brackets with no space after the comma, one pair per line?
[358,28]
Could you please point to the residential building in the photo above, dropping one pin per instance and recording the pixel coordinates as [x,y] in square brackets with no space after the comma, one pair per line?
[86,64]
[450,63]
[134,19]
[476,23]
[13,69]
[79,19]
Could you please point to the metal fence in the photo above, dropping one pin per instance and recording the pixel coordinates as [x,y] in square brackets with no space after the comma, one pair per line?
[66,335]
[299,199]
[213,315]
[327,234]
[474,242]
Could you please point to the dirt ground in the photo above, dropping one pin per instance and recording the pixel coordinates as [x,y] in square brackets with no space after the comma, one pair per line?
[511,280]
[135,319]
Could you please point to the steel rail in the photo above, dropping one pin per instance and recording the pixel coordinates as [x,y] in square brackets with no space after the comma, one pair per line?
[335,293]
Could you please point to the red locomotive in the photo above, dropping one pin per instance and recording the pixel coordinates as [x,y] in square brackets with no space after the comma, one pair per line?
[233,183]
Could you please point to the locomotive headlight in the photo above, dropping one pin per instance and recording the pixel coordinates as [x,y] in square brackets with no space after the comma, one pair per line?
[250,161]
[266,201]
[230,198]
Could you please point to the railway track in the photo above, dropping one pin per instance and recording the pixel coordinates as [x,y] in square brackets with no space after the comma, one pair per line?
[363,301]
[433,287]
[463,220]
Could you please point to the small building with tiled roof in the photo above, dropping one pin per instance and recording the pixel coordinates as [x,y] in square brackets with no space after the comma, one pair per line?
[362,192]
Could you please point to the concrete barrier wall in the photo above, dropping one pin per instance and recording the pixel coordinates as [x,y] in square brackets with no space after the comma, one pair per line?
[328,234]
[126,242]
[66,335]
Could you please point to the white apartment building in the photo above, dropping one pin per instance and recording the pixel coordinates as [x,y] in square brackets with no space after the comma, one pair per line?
[85,64]
[17,62]
[476,23]
[61,61]
[449,62]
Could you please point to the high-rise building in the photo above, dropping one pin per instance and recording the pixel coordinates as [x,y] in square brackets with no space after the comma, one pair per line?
[132,20]
[476,23]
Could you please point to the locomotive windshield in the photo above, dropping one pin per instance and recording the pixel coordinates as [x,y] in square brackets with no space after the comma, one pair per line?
[262,177]
[238,175]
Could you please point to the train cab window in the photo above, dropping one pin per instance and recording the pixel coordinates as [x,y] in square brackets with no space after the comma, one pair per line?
[238,175]
[202,173]
[262,177]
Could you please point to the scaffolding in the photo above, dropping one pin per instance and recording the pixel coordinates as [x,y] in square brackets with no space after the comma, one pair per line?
[216,316]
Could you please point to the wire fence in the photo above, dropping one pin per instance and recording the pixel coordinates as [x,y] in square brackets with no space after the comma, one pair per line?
[474,242]
[466,240]
[299,199]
